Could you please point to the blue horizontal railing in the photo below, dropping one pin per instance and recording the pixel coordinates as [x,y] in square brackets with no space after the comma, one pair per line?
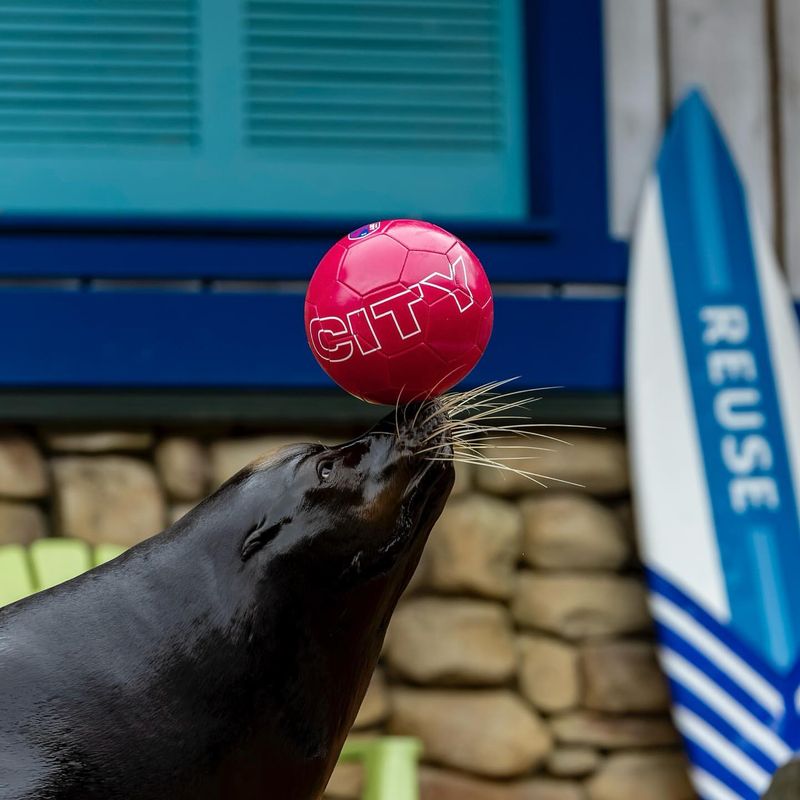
[160,338]
[176,339]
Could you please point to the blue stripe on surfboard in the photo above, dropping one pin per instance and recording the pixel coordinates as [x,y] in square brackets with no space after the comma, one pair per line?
[778,713]
[687,699]
[713,264]
[672,640]
[705,761]
[764,735]
[661,586]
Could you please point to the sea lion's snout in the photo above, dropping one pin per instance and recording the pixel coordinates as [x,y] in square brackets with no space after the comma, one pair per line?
[421,452]
[386,487]
[407,452]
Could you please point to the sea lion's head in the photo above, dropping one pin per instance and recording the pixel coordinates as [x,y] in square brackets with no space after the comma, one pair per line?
[336,517]
[351,512]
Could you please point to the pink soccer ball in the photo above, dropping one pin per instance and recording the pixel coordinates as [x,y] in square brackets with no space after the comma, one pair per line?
[398,310]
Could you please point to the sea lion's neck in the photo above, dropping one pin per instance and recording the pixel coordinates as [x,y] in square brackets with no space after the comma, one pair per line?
[290,661]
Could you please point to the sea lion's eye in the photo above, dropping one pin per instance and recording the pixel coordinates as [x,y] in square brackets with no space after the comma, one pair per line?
[325,470]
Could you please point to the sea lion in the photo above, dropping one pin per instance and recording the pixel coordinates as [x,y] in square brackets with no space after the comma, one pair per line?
[225,657]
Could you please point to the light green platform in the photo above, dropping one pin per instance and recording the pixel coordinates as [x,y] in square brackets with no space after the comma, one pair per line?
[390,763]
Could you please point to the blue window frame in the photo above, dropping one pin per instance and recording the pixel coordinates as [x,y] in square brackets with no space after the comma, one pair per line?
[561,237]
[92,336]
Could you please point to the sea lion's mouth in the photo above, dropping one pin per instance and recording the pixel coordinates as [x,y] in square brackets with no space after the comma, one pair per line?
[429,483]
[418,475]
[431,448]
[422,503]
[423,436]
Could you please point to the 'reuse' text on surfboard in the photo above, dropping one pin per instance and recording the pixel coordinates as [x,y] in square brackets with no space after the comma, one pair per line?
[732,375]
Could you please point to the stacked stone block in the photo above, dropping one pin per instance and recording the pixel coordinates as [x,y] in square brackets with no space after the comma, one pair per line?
[521,654]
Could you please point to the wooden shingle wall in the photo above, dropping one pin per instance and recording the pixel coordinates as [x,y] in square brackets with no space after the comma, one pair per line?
[745,55]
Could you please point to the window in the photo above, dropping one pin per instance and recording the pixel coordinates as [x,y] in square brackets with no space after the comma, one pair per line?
[265,108]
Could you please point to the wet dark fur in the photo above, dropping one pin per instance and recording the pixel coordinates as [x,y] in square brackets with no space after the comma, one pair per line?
[227,656]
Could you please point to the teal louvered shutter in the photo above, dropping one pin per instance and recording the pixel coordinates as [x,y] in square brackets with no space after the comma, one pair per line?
[262,108]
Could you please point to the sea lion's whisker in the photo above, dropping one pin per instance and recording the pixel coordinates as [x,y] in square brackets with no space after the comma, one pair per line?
[445,408]
[501,402]
[529,425]
[491,398]
[493,410]
[479,423]
[466,437]
[529,434]
[481,446]
[478,391]
[397,411]
[474,450]
[533,476]
[493,406]
[516,431]
[497,413]
[498,401]
[485,388]
[477,444]
[481,463]
[511,447]
[506,422]
[464,405]
[486,427]
[456,430]
[445,427]
[485,409]
[430,392]
[563,425]
[498,418]
[470,395]
[446,404]
[490,461]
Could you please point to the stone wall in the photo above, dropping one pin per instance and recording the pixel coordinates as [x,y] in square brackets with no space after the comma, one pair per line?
[522,653]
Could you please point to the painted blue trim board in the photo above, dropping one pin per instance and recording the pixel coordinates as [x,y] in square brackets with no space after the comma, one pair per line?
[183,339]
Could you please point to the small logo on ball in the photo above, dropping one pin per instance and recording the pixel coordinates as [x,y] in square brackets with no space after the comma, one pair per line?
[364,230]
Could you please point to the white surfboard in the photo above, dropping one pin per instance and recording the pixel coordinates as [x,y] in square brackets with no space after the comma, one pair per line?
[713,404]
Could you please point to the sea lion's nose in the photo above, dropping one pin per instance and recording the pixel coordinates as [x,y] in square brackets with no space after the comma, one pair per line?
[422,424]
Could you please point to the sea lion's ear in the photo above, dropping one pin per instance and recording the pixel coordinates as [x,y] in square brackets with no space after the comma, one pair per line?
[263,533]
